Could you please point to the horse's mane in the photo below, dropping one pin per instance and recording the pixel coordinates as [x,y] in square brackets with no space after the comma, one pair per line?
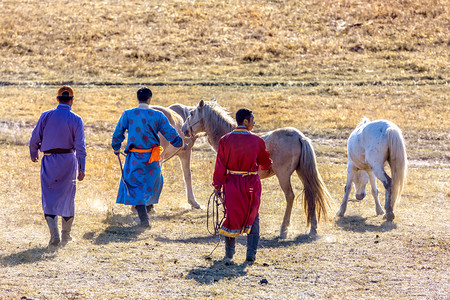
[364,120]
[218,118]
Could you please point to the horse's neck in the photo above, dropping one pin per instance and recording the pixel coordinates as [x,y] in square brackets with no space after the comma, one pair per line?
[216,127]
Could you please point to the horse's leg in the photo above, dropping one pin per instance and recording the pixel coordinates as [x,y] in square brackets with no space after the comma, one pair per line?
[348,189]
[387,182]
[185,158]
[285,184]
[373,183]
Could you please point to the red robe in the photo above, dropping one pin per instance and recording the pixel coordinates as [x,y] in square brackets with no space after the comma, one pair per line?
[241,151]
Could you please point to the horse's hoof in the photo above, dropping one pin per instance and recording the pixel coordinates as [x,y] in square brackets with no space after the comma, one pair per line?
[313,231]
[389,216]
[340,213]
[195,205]
[283,235]
[379,212]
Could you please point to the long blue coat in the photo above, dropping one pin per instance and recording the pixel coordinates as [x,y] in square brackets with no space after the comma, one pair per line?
[143,179]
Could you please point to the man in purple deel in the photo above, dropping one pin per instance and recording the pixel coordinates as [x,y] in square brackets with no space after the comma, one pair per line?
[59,134]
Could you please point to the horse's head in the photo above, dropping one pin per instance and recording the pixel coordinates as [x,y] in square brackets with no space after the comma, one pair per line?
[361,178]
[194,122]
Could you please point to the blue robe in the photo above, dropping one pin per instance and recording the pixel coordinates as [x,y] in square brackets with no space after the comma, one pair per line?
[143,179]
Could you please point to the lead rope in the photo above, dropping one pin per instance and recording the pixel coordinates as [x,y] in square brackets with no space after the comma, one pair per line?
[214,202]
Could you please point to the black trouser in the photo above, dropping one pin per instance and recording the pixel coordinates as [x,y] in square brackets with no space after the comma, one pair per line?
[252,242]
[143,215]
[53,216]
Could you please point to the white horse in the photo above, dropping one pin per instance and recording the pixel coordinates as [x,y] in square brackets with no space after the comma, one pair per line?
[177,114]
[290,151]
[369,146]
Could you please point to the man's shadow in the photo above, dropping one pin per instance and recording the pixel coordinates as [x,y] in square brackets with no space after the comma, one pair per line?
[118,230]
[114,234]
[275,242]
[359,224]
[28,256]
[216,272]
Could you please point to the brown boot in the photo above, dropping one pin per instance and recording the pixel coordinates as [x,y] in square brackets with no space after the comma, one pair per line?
[66,228]
[54,232]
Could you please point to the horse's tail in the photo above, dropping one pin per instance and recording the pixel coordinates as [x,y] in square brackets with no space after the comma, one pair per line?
[316,195]
[397,161]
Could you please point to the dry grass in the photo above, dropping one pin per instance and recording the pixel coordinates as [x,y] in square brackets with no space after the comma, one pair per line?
[217,41]
[319,66]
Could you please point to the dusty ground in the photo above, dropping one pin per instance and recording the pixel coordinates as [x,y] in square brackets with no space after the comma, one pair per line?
[357,256]
[319,66]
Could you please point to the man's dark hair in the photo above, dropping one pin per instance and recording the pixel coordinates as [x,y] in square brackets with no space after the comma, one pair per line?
[64,98]
[143,94]
[243,114]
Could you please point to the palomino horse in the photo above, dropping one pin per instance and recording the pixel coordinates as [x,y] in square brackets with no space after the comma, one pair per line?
[290,151]
[369,146]
[177,114]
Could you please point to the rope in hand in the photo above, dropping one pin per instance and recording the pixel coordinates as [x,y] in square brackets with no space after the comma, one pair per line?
[121,169]
[214,202]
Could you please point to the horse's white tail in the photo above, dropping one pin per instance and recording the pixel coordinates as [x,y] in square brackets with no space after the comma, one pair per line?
[316,195]
[397,161]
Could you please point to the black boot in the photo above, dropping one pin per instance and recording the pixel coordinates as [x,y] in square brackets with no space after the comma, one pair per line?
[230,249]
[252,241]
[143,215]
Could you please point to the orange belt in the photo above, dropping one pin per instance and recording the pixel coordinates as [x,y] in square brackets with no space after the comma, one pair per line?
[156,153]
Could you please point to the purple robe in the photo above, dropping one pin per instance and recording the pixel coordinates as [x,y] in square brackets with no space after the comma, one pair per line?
[59,128]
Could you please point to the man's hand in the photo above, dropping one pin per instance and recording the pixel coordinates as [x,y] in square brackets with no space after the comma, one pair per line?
[36,159]
[80,175]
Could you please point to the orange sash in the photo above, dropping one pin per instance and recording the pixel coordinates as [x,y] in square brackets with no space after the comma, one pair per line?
[156,153]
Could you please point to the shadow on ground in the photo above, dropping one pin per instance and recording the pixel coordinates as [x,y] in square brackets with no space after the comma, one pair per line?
[29,256]
[216,272]
[263,242]
[114,234]
[359,224]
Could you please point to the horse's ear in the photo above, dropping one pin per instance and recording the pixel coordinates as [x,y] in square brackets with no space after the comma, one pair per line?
[201,103]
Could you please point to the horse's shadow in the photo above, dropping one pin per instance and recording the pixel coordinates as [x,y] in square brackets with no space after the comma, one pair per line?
[359,224]
[216,272]
[28,256]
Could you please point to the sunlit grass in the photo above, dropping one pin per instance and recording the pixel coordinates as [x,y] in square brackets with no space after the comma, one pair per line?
[319,66]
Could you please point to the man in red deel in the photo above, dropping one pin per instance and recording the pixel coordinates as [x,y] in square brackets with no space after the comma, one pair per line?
[239,156]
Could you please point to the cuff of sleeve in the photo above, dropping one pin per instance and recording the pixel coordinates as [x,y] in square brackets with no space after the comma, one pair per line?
[81,163]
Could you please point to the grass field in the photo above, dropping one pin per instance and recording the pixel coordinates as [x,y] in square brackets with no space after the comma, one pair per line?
[319,66]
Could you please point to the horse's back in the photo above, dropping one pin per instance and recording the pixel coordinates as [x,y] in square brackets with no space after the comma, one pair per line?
[369,141]
[281,144]
[182,110]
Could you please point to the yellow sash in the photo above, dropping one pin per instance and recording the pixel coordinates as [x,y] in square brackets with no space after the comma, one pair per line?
[242,173]
[156,153]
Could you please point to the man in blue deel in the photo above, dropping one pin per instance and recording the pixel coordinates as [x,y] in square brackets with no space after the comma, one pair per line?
[142,180]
